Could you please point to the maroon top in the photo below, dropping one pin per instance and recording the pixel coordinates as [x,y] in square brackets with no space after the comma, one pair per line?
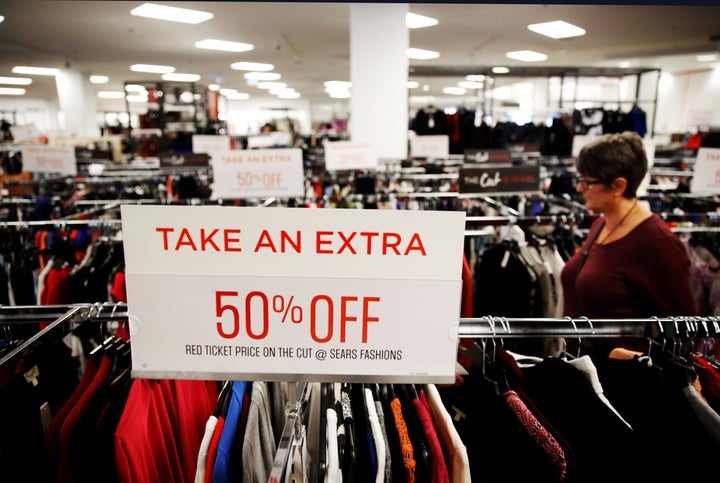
[644,274]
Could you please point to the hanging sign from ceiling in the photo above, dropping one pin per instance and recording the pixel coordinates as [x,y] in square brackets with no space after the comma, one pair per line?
[490,179]
[293,294]
[262,173]
[706,173]
[341,155]
[49,159]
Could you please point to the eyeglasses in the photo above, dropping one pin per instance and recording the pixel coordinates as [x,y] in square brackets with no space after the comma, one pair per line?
[587,183]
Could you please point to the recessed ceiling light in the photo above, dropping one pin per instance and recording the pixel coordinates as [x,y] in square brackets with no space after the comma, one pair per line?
[111,94]
[289,95]
[339,94]
[16,81]
[172,14]
[475,77]
[136,98]
[153,69]
[237,96]
[526,56]
[458,91]
[263,76]
[1,18]
[178,77]
[135,88]
[421,54]
[337,84]
[412,85]
[214,87]
[283,90]
[254,66]
[12,91]
[271,85]
[99,79]
[470,84]
[500,70]
[706,58]
[624,64]
[22,69]
[416,21]
[224,45]
[557,29]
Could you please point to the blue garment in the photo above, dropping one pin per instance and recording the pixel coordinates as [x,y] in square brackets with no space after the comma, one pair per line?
[223,471]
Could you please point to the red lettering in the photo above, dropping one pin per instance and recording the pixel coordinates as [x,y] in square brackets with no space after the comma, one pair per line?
[265,241]
[185,240]
[369,235]
[344,317]
[320,239]
[165,232]
[207,240]
[391,242]
[285,238]
[346,242]
[228,240]
[366,318]
[415,244]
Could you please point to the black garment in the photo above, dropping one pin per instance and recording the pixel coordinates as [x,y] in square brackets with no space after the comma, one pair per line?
[499,448]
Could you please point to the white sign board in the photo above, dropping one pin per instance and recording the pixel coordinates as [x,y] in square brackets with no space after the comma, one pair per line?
[706,176]
[430,146]
[270,140]
[293,294]
[349,155]
[25,132]
[258,173]
[49,159]
[209,144]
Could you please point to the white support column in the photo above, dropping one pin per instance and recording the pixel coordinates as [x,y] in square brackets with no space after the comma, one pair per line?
[78,110]
[379,74]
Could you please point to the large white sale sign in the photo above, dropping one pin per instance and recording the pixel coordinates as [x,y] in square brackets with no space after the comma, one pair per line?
[49,159]
[706,173]
[293,294]
[341,155]
[258,173]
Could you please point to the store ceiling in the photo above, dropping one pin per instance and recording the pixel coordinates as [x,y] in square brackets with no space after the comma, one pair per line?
[309,42]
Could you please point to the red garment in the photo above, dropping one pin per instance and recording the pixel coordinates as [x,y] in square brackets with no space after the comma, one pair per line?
[57,287]
[51,439]
[439,468]
[466,308]
[64,469]
[212,450]
[159,434]
[710,381]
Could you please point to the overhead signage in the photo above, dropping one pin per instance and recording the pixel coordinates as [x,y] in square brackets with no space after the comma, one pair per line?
[487,156]
[205,143]
[430,146]
[706,175]
[258,173]
[293,294]
[49,159]
[341,155]
[499,179]
[25,132]
[171,160]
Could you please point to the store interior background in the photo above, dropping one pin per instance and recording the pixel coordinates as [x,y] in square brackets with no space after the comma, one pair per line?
[309,44]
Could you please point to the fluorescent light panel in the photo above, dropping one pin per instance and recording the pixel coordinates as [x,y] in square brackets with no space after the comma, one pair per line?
[12,91]
[416,21]
[214,87]
[500,70]
[458,91]
[470,84]
[526,56]
[99,79]
[16,81]
[23,69]
[252,66]
[135,88]
[111,94]
[263,76]
[557,29]
[178,77]
[153,69]
[171,14]
[271,85]
[223,45]
[237,96]
[412,85]
[421,54]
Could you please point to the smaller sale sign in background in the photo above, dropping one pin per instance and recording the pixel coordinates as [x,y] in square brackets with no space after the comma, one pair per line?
[293,294]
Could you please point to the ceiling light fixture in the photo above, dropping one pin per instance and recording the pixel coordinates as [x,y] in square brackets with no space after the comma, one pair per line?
[470,84]
[152,69]
[237,96]
[23,69]
[339,94]
[136,98]
[16,81]
[178,77]
[214,87]
[271,85]
[413,85]
[421,54]
[557,29]
[99,79]
[223,45]
[416,21]
[111,94]
[253,66]
[263,76]
[289,95]
[1,19]
[337,84]
[12,91]
[171,14]
[526,56]
[458,91]
[475,77]
[500,70]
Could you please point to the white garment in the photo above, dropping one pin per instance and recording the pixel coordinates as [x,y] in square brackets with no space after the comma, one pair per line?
[332,459]
[377,436]
[459,465]
[204,447]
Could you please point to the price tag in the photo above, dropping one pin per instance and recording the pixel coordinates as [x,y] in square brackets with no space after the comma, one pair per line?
[203,143]
[293,294]
[502,180]
[430,146]
[706,175]
[49,159]
[258,173]
[349,155]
